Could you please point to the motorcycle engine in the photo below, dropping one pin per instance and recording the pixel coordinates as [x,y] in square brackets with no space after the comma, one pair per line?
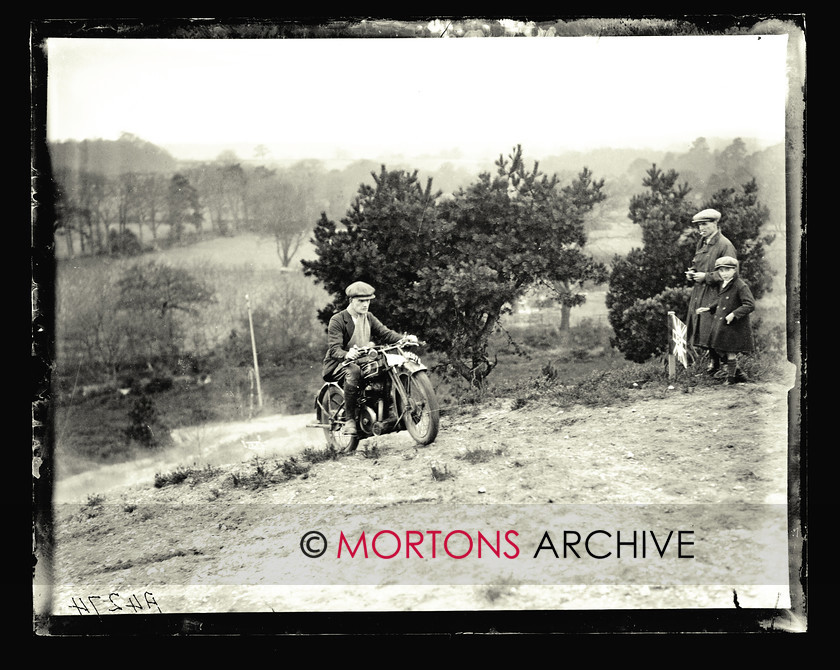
[367,419]
[375,387]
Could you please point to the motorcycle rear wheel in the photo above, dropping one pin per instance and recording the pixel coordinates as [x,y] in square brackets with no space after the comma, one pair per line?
[422,420]
[331,416]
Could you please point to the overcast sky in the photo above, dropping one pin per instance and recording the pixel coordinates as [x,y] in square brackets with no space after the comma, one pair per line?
[312,97]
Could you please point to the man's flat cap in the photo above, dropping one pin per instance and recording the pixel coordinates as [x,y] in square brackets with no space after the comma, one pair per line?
[360,289]
[706,215]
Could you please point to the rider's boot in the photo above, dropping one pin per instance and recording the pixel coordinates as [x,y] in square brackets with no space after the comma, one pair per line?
[351,404]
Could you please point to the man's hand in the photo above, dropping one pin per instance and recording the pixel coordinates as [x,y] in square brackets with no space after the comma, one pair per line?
[700,310]
[353,354]
[411,338]
[699,276]
[730,318]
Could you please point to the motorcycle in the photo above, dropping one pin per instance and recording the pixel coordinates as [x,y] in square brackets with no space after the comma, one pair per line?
[398,396]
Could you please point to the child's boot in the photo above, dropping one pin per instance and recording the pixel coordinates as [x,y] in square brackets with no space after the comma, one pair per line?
[733,375]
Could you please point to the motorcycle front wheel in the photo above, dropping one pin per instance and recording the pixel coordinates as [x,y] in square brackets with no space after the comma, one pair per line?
[422,416]
[331,417]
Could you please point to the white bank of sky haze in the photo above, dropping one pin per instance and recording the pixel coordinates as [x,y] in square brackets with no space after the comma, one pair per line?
[318,98]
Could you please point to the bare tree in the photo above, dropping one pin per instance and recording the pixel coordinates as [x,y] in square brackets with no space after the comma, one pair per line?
[151,202]
[284,208]
[157,293]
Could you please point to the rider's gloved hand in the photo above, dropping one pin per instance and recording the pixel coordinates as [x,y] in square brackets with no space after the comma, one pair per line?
[411,338]
[353,354]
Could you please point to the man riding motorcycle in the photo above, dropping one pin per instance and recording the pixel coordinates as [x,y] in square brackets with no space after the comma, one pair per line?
[349,331]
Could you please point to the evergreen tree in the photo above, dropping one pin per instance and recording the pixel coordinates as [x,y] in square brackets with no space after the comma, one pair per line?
[648,282]
[389,233]
[743,222]
[184,207]
[447,269]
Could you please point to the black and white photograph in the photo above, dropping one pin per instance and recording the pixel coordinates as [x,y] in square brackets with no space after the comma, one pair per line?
[433,325]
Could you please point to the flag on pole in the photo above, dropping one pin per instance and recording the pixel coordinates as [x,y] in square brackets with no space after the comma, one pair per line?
[679,344]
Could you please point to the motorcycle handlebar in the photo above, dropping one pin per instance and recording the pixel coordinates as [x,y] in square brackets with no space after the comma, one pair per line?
[394,345]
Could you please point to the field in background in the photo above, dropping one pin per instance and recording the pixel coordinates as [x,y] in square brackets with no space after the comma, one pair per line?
[246,248]
[249,248]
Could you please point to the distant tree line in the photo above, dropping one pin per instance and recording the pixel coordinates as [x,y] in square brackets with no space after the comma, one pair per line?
[122,197]
[128,196]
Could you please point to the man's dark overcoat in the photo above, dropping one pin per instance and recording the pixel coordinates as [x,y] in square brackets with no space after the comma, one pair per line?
[736,337]
[339,332]
[704,293]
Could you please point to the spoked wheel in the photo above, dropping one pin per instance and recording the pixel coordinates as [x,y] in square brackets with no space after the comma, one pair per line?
[330,411]
[422,418]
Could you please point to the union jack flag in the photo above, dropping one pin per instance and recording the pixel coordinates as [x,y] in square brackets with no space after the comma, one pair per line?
[679,345]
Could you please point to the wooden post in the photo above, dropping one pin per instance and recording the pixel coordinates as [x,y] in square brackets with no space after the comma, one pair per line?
[254,349]
[672,360]
[251,394]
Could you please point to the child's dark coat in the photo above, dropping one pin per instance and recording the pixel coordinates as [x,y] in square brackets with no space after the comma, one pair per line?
[736,337]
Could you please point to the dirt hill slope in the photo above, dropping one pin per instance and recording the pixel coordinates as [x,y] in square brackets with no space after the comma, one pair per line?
[217,541]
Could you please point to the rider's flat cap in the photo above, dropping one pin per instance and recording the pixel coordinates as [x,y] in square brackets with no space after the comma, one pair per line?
[360,289]
[706,215]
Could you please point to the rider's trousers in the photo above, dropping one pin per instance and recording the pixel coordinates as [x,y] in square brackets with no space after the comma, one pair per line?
[350,377]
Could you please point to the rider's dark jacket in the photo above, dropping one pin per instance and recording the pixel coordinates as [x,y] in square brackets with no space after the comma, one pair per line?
[339,332]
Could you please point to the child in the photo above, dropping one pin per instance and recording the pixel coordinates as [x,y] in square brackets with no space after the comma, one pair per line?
[731,330]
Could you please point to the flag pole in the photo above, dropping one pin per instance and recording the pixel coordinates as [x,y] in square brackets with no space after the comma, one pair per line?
[254,349]
[672,359]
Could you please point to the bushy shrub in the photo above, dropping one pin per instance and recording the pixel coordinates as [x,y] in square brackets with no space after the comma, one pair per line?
[145,426]
[283,314]
[441,472]
[602,386]
[769,337]
[590,334]
[480,455]
[541,337]
[551,371]
[124,243]
[183,473]
[291,468]
[284,331]
[171,478]
[643,328]
[320,455]
[158,384]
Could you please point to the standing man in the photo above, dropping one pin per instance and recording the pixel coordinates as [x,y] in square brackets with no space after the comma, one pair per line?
[350,330]
[711,246]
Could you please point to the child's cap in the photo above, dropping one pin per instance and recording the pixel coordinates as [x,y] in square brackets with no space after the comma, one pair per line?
[726,262]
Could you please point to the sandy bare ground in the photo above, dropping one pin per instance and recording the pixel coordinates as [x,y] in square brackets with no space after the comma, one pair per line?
[714,460]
